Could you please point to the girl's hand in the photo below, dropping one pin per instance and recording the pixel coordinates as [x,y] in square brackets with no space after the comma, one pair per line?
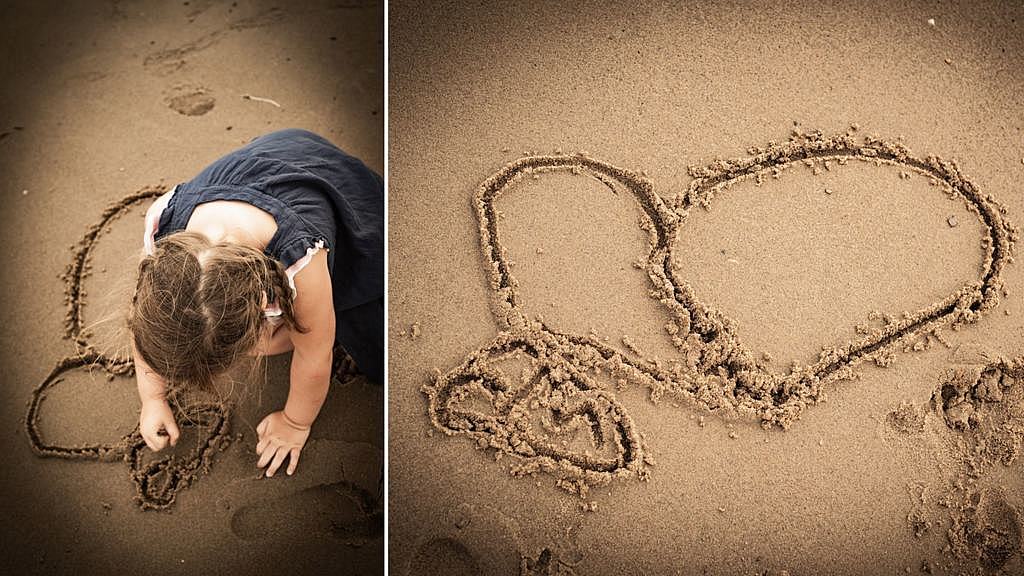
[155,416]
[280,437]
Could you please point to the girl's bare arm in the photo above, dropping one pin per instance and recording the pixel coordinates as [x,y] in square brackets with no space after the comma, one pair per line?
[151,385]
[311,361]
[277,342]
[282,434]
[155,414]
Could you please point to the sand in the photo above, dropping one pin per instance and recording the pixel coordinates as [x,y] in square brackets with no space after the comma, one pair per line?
[632,355]
[107,105]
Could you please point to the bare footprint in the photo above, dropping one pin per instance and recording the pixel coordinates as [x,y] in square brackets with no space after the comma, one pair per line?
[341,510]
[469,539]
[985,406]
[444,556]
[339,496]
[190,100]
[989,530]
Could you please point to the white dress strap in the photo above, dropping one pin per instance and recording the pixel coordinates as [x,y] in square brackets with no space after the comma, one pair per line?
[153,221]
[301,263]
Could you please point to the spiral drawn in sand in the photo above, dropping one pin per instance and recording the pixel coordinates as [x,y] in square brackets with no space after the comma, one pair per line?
[525,416]
[157,483]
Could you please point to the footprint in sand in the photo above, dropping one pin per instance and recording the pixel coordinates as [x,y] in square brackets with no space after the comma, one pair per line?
[341,510]
[985,406]
[166,61]
[190,100]
[570,379]
[336,495]
[987,530]
[443,556]
[468,539]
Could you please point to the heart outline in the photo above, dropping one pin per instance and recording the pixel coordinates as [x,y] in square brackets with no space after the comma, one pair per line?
[214,418]
[777,399]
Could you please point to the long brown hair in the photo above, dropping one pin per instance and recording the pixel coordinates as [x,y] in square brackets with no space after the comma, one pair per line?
[197,306]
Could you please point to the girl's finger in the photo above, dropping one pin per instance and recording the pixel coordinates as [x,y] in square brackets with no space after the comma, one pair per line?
[293,460]
[172,431]
[282,453]
[268,453]
[261,427]
[262,445]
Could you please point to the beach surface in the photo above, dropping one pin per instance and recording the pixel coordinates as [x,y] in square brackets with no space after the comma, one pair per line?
[611,353]
[105,105]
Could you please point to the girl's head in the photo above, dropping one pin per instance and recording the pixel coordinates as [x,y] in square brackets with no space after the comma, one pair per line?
[198,306]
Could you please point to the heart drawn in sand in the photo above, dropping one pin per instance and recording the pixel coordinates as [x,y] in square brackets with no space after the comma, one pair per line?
[526,416]
[157,482]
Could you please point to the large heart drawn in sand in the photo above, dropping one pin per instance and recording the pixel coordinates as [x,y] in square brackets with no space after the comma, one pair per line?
[718,371]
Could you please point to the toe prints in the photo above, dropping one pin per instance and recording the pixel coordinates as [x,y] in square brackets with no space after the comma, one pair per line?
[158,480]
[566,387]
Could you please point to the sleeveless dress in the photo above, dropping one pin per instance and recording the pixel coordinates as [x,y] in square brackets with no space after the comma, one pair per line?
[321,199]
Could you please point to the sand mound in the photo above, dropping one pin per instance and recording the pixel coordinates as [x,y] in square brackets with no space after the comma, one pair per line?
[560,384]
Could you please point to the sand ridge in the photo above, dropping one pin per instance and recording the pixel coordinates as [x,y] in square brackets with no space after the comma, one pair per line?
[714,370]
[158,482]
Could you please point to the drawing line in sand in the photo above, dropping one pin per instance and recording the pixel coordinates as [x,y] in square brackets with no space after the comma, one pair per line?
[562,383]
[158,482]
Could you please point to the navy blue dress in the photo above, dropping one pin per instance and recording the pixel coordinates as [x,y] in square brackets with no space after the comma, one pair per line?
[320,197]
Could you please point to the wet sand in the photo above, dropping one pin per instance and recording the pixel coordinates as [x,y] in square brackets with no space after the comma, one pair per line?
[106,106]
[614,351]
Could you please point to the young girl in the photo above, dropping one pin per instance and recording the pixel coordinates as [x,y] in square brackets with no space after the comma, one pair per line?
[276,247]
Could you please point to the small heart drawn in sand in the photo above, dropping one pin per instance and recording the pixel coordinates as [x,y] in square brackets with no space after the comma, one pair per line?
[158,480]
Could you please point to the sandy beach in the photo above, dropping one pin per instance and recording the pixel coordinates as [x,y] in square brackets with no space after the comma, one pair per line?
[705,289]
[107,104]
